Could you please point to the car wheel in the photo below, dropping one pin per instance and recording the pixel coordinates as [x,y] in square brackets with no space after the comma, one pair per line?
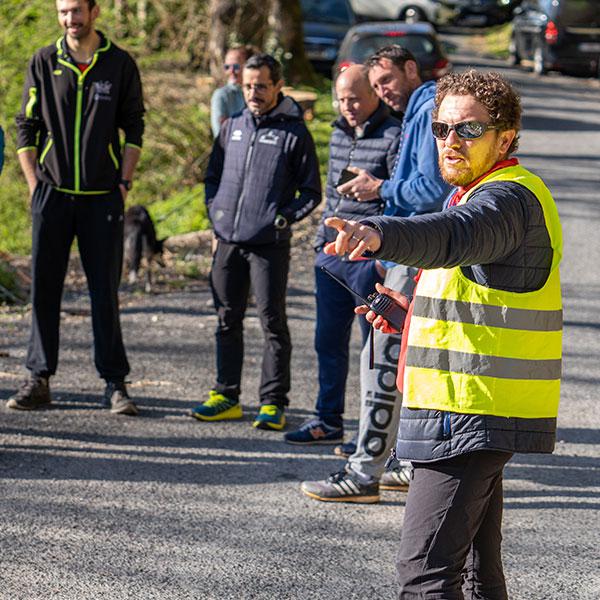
[412,14]
[539,68]
[513,54]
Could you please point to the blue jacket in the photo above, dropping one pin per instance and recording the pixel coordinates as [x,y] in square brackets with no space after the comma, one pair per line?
[375,150]
[225,102]
[261,167]
[416,186]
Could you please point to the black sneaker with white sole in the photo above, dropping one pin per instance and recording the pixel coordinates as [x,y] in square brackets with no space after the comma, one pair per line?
[343,486]
[117,398]
[33,393]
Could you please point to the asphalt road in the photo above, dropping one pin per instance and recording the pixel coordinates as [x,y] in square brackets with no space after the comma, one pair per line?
[161,506]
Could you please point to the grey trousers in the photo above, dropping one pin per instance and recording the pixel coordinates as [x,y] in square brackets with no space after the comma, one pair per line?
[380,400]
[451,536]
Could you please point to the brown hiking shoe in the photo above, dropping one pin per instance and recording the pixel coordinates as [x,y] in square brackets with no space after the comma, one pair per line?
[33,393]
[116,396]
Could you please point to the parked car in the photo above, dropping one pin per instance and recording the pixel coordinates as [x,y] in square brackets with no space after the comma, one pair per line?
[365,39]
[483,12]
[561,35]
[412,11]
[325,24]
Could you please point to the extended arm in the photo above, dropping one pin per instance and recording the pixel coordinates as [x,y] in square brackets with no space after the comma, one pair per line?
[490,226]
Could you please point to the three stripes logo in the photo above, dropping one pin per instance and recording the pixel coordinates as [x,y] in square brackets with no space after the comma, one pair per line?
[346,487]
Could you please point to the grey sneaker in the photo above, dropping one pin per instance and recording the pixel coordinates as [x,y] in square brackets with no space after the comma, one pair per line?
[397,480]
[33,393]
[344,486]
[116,396]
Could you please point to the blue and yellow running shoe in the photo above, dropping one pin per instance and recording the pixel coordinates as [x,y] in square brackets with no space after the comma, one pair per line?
[217,408]
[270,416]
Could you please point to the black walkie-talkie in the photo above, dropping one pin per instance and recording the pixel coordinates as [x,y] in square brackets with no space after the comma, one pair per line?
[380,304]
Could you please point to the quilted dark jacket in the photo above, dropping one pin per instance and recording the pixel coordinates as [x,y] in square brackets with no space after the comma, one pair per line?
[374,150]
[261,167]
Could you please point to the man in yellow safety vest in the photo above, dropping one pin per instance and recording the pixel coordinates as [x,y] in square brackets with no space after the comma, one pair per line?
[480,365]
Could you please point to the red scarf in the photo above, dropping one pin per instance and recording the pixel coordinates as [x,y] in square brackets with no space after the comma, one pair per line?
[454,200]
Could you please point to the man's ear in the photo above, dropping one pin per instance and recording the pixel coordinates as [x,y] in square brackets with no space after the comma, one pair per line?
[505,139]
[279,85]
[95,12]
[411,70]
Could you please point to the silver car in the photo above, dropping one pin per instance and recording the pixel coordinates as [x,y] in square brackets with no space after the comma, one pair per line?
[411,11]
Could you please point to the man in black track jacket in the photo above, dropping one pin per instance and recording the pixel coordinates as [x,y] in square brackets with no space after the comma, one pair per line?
[79,92]
[263,175]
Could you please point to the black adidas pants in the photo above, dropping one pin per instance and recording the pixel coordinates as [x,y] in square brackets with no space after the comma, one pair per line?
[97,223]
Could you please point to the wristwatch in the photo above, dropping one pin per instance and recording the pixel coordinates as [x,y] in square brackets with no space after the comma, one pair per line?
[280,222]
[126,183]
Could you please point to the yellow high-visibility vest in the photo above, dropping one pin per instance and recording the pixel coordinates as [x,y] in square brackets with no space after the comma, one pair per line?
[477,350]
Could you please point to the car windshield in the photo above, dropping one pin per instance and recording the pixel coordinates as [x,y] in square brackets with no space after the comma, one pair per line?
[326,11]
[363,47]
[580,12]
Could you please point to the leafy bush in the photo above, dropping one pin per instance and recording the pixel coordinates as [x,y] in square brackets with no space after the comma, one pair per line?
[177,140]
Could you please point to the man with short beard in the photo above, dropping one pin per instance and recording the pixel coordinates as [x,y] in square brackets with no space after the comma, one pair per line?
[413,187]
[79,92]
[480,363]
[262,177]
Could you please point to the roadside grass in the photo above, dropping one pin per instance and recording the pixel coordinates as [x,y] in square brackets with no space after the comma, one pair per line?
[497,39]
[177,144]
[320,126]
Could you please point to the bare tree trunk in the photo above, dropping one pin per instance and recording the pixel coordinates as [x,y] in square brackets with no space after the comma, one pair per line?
[285,25]
[275,26]
[142,15]
[221,14]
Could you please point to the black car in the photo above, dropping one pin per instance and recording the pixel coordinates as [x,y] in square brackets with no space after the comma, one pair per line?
[561,35]
[420,38]
[483,12]
[325,24]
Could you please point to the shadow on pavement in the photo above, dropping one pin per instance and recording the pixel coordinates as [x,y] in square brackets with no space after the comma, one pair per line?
[557,124]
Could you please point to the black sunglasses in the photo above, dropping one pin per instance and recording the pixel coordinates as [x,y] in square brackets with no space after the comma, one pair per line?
[467,130]
[232,66]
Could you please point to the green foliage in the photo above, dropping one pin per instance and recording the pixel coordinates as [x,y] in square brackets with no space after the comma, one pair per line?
[320,126]
[177,140]
[497,39]
[23,26]
[181,212]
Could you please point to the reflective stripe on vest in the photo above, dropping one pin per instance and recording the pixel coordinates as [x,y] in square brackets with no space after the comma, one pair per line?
[478,350]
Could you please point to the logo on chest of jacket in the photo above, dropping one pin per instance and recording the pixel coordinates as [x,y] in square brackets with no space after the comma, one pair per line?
[270,138]
[236,135]
[102,90]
